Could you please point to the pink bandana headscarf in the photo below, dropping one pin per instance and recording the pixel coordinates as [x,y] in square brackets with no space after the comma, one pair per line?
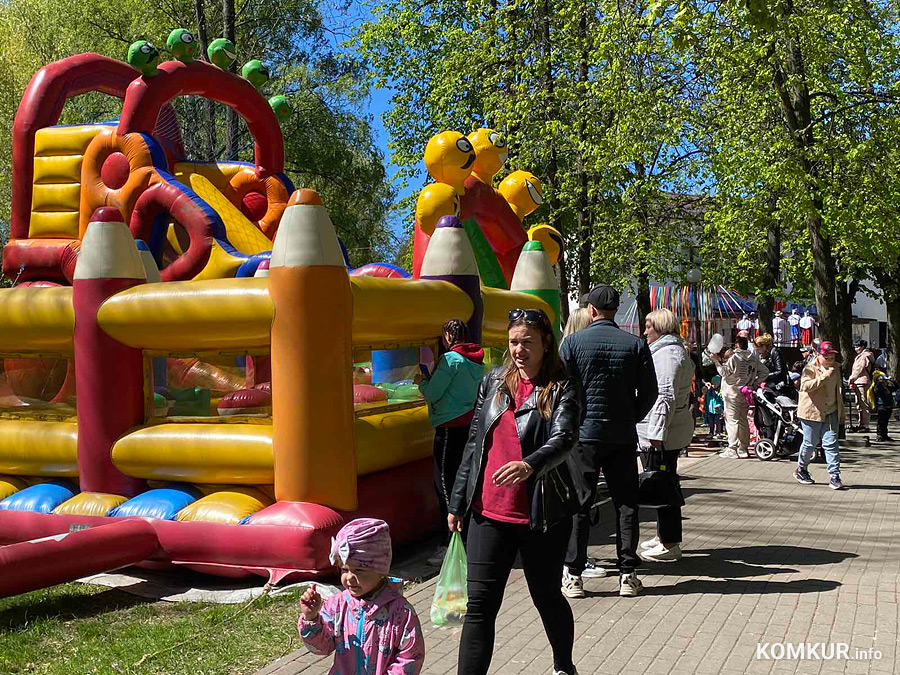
[364,542]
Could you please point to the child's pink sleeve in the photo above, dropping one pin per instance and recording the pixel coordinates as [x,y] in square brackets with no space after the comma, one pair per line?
[411,655]
[318,635]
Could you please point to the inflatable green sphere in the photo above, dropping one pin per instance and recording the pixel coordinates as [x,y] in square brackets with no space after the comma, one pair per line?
[143,56]
[221,52]
[281,107]
[182,44]
[255,72]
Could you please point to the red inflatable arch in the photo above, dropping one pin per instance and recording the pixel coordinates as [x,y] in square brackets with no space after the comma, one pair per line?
[146,96]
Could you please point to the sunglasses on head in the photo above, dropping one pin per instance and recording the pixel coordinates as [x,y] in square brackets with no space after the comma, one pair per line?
[534,316]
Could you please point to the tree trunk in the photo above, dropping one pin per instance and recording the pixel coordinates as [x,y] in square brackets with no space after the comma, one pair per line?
[893,326]
[643,299]
[585,220]
[208,145]
[824,272]
[556,219]
[846,295]
[890,294]
[770,281]
[231,121]
[790,84]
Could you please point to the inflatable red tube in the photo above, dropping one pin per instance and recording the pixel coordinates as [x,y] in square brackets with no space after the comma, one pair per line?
[41,107]
[70,555]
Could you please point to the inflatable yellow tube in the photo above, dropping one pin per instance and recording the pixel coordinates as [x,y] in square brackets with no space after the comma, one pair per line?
[191,315]
[38,448]
[497,304]
[392,439]
[239,454]
[36,320]
[404,311]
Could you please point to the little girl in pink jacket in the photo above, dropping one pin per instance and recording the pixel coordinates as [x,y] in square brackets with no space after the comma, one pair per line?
[370,626]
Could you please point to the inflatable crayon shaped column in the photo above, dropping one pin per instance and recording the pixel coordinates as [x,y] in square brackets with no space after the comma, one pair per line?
[449,257]
[312,364]
[534,275]
[109,376]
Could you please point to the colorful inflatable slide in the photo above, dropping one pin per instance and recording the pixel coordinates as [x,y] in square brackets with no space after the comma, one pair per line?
[189,375]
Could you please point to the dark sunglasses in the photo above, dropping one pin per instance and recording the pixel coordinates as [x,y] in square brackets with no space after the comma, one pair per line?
[534,316]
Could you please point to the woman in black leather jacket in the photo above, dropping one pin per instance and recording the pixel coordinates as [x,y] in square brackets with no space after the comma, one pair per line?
[514,484]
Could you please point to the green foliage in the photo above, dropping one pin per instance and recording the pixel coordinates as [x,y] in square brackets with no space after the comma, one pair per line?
[78,628]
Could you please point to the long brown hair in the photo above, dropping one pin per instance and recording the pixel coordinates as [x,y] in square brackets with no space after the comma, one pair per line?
[552,370]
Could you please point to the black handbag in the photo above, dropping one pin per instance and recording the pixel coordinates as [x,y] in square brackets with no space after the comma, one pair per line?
[658,487]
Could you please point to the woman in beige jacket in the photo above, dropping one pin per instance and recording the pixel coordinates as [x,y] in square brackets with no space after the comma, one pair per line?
[860,376]
[820,411]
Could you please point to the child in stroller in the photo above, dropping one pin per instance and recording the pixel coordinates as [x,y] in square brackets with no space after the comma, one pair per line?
[776,420]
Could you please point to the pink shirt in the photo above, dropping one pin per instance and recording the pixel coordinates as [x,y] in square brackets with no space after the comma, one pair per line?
[508,504]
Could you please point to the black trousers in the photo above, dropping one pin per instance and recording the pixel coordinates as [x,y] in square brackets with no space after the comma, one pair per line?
[668,519]
[619,466]
[492,548]
[449,444]
[884,416]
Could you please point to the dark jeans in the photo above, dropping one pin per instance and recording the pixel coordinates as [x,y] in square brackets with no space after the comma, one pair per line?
[884,416]
[492,548]
[668,519]
[619,466]
[449,444]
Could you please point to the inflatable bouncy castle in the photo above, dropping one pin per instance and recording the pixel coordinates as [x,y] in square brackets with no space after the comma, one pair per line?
[189,373]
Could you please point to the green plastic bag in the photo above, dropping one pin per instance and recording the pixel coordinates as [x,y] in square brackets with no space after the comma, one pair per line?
[451,595]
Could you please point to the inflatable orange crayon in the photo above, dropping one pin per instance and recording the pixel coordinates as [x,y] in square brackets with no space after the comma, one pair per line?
[312,364]
[450,257]
[109,376]
[534,275]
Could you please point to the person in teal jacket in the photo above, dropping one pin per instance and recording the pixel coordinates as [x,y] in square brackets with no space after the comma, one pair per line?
[450,392]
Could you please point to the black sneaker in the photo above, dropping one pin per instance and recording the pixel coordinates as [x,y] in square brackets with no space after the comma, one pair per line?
[836,483]
[803,476]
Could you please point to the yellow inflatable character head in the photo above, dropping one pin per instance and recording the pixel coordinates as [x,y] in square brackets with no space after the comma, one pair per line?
[523,191]
[491,153]
[435,201]
[449,157]
[550,238]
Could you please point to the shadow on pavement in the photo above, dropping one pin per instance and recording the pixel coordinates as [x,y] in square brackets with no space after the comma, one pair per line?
[731,587]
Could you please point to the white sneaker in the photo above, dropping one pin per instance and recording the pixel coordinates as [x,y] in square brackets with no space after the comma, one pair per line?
[630,585]
[662,553]
[650,543]
[593,569]
[729,454]
[572,585]
[562,672]
[437,558]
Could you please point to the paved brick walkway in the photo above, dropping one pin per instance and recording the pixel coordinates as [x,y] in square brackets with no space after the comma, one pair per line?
[766,561]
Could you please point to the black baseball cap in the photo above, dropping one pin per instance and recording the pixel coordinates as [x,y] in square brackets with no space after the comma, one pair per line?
[603,297]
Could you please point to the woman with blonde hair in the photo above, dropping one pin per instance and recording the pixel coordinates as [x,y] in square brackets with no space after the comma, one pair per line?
[771,358]
[579,319]
[669,426]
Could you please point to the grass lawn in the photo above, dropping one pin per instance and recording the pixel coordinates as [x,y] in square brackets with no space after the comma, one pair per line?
[76,629]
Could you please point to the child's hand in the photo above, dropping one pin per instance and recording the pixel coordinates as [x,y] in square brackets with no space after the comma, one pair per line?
[310,604]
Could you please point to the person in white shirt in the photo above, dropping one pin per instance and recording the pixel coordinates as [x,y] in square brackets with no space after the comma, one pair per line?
[738,369]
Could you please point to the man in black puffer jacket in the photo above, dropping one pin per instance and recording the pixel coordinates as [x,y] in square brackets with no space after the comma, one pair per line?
[614,373]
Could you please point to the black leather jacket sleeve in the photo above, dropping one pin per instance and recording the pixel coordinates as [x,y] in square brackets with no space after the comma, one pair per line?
[565,421]
[457,505]
[647,388]
[777,372]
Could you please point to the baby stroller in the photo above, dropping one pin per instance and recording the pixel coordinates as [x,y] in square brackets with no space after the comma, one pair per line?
[776,421]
